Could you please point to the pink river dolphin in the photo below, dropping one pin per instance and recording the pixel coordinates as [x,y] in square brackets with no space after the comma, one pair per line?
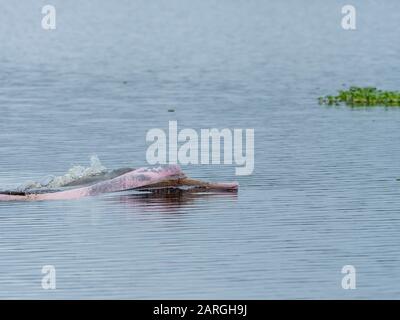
[170,176]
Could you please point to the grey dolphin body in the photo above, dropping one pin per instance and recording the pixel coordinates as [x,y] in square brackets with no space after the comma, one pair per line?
[140,179]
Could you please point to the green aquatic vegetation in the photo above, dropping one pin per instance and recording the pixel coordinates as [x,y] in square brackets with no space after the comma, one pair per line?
[368,96]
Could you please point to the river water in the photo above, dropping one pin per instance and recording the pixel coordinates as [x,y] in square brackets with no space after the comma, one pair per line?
[323,193]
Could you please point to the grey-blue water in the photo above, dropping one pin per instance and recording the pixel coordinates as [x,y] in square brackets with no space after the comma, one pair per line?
[323,193]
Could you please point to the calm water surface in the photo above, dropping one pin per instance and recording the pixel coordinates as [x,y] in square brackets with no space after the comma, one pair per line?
[323,193]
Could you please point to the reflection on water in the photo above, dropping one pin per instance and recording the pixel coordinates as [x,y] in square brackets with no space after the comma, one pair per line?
[323,194]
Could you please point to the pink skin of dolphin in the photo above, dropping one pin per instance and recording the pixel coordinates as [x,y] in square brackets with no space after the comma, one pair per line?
[134,179]
[131,180]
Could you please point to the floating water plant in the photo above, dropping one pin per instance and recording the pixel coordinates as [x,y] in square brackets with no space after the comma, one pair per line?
[368,96]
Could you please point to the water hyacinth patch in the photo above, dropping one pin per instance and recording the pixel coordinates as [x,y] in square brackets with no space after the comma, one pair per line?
[368,96]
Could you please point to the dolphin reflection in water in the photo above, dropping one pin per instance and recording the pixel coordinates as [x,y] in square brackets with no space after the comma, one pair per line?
[143,179]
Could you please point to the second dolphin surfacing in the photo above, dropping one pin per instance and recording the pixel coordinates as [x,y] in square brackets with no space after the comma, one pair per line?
[143,178]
